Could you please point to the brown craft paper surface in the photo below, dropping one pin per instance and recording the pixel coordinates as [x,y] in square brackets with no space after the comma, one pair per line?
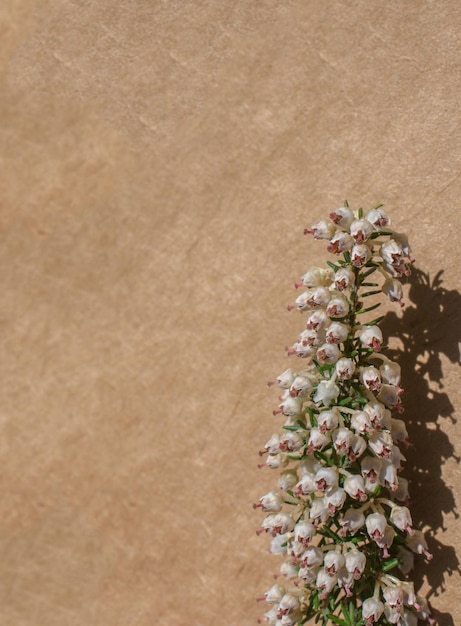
[159,162]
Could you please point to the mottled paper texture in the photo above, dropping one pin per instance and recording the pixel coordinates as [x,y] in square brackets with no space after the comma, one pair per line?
[159,161]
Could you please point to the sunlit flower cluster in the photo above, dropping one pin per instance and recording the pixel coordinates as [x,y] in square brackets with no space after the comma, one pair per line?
[340,515]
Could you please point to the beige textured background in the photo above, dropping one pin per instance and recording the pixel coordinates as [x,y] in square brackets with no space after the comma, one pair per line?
[159,161]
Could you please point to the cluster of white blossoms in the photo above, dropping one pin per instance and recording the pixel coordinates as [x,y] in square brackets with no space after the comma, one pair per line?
[340,515]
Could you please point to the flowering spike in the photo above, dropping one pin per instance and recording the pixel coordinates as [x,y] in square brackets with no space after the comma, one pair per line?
[340,516]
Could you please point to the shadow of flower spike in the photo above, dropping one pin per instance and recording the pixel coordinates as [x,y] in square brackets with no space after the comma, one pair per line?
[427,330]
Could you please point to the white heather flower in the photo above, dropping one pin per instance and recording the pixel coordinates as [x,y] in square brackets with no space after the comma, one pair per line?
[371,469]
[272,446]
[393,256]
[360,422]
[361,230]
[394,596]
[317,440]
[417,543]
[337,332]
[372,609]
[279,544]
[304,532]
[301,386]
[358,447]
[319,510]
[345,368]
[278,523]
[312,557]
[355,487]
[338,307]
[390,477]
[313,298]
[325,582]
[290,442]
[290,619]
[328,353]
[360,255]
[377,413]
[317,320]
[326,478]
[333,561]
[326,393]
[289,570]
[355,562]
[322,230]
[306,485]
[346,581]
[393,290]
[308,574]
[370,377]
[270,502]
[340,242]
[371,337]
[317,277]
[390,373]
[342,440]
[276,461]
[342,217]
[344,278]
[399,431]
[292,407]
[288,604]
[378,218]
[328,420]
[352,521]
[376,525]
[335,499]
[389,395]
[288,479]
[274,594]
[381,443]
[286,378]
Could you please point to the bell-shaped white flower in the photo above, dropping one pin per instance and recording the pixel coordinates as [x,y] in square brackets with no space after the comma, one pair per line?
[381,443]
[289,570]
[338,307]
[372,609]
[274,594]
[335,499]
[361,230]
[370,377]
[342,217]
[342,440]
[278,523]
[317,320]
[288,479]
[345,368]
[390,396]
[337,332]
[328,420]
[270,502]
[406,560]
[376,525]
[418,544]
[311,557]
[390,373]
[326,393]
[326,478]
[371,468]
[313,299]
[377,413]
[304,532]
[371,337]
[322,230]
[306,485]
[355,562]
[394,596]
[319,511]
[333,561]
[318,439]
[288,604]
[302,386]
[378,218]
[317,277]
[354,485]
[344,278]
[325,582]
[360,422]
[340,242]
[352,521]
[360,255]
[290,442]
[328,353]
[393,290]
